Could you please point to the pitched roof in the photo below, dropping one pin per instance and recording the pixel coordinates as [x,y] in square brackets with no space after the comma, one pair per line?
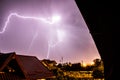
[30,66]
[5,58]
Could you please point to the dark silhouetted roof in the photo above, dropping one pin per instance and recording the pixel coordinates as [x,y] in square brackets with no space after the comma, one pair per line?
[5,58]
[30,66]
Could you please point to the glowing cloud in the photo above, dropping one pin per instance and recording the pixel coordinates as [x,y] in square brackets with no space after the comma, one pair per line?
[54,19]
[52,44]
[60,34]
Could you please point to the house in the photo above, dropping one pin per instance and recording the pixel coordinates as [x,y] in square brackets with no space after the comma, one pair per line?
[22,67]
[50,64]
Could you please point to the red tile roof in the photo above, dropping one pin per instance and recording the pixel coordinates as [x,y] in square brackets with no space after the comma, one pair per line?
[30,66]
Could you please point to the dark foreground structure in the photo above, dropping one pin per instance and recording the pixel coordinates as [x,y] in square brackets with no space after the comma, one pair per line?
[102,19]
[22,67]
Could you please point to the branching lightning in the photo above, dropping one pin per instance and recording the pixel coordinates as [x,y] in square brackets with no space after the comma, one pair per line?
[51,44]
[53,20]
[23,17]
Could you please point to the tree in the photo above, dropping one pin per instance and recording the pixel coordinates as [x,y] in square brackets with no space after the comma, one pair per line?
[98,70]
[97,62]
[98,74]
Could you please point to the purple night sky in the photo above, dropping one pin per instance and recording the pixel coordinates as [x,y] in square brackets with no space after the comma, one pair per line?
[31,37]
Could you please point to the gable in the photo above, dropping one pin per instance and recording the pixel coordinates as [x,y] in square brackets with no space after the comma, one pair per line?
[22,66]
[4,59]
[9,68]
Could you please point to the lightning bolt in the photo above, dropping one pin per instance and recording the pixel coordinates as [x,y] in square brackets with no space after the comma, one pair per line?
[23,17]
[50,43]
[50,46]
